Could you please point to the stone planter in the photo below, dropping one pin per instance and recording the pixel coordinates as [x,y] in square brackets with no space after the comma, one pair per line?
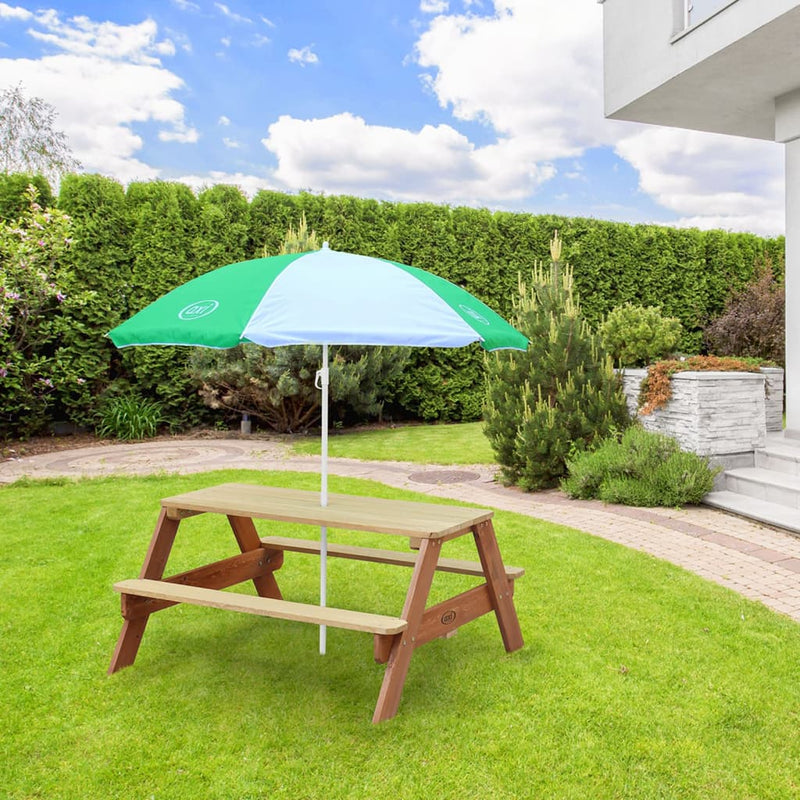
[714,413]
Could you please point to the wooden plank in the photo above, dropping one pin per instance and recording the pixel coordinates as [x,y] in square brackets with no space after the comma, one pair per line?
[403,647]
[247,538]
[501,590]
[130,637]
[448,616]
[263,606]
[381,556]
[397,517]
[219,575]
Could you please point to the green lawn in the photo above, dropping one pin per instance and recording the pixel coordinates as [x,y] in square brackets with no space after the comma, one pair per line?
[426,444]
[637,680]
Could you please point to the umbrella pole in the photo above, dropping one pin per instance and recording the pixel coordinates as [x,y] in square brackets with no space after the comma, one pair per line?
[322,377]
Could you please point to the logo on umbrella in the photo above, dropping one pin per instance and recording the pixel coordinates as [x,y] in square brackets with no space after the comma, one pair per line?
[471,312]
[202,308]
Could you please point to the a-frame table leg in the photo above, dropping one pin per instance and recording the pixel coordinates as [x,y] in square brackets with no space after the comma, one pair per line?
[403,648]
[155,561]
[247,537]
[501,591]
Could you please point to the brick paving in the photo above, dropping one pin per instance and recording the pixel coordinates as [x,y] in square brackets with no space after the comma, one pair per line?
[759,562]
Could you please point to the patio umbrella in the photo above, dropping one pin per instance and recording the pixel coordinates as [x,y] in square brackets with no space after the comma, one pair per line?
[322,297]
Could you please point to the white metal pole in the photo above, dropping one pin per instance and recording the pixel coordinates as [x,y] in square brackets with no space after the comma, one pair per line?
[323,376]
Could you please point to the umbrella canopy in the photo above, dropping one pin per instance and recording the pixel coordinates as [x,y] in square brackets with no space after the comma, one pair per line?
[320,297]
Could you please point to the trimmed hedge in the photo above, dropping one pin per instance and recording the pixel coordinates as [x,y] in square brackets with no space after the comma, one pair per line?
[132,246]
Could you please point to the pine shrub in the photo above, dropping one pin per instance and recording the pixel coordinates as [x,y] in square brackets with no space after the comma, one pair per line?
[558,397]
[639,469]
[637,335]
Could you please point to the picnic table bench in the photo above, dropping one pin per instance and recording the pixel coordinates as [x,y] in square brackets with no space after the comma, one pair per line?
[426,525]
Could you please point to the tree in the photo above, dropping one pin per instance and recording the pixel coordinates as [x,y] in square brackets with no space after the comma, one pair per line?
[277,385]
[559,397]
[29,141]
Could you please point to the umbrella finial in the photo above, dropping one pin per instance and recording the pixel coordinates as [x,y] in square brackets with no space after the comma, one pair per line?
[325,246]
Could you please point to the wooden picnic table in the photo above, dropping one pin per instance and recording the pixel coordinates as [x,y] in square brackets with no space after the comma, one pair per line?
[426,525]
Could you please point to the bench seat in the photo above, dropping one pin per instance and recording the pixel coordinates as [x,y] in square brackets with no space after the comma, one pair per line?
[380,556]
[263,606]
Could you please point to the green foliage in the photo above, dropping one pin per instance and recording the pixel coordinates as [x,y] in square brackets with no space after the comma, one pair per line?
[34,309]
[276,385]
[14,199]
[636,336]
[559,396]
[754,323]
[97,260]
[163,219]
[129,417]
[639,469]
[131,247]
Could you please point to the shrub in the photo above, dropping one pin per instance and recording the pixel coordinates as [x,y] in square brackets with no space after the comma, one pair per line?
[276,385]
[753,324]
[636,336]
[657,386]
[559,396]
[130,417]
[639,469]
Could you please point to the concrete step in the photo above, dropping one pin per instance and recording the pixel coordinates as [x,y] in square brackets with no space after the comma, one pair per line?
[764,484]
[779,456]
[760,510]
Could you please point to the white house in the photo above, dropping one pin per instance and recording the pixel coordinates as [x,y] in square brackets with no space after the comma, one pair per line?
[731,67]
[724,66]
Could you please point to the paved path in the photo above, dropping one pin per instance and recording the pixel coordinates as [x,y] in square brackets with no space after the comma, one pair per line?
[759,562]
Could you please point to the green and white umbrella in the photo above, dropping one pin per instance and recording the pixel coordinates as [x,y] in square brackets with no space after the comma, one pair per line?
[321,297]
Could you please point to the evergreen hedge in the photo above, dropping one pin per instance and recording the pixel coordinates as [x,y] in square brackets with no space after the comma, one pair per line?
[131,246]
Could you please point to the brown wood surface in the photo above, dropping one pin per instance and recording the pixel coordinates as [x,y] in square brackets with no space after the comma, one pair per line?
[155,561]
[501,590]
[219,575]
[263,606]
[403,648]
[247,538]
[398,517]
[376,556]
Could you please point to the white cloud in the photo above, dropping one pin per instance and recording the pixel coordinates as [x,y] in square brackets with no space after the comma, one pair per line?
[225,41]
[268,22]
[259,40]
[226,11]
[180,134]
[249,184]
[84,37]
[186,5]
[108,79]
[223,120]
[434,6]
[343,153]
[231,143]
[710,180]
[303,56]
[14,12]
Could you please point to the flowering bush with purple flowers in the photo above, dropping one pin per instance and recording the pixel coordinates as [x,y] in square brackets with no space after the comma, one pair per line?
[33,306]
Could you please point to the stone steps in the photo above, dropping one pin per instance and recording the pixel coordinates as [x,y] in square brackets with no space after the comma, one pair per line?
[768,491]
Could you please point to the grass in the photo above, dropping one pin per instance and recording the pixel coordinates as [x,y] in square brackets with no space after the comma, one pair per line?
[424,444]
[637,679]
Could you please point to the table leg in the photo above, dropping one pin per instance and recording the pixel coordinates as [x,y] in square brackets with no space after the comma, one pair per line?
[403,648]
[501,590]
[248,539]
[155,561]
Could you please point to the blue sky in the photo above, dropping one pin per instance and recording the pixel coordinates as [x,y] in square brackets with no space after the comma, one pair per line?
[494,103]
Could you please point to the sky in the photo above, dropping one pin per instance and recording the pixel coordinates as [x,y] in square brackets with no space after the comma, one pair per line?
[486,103]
